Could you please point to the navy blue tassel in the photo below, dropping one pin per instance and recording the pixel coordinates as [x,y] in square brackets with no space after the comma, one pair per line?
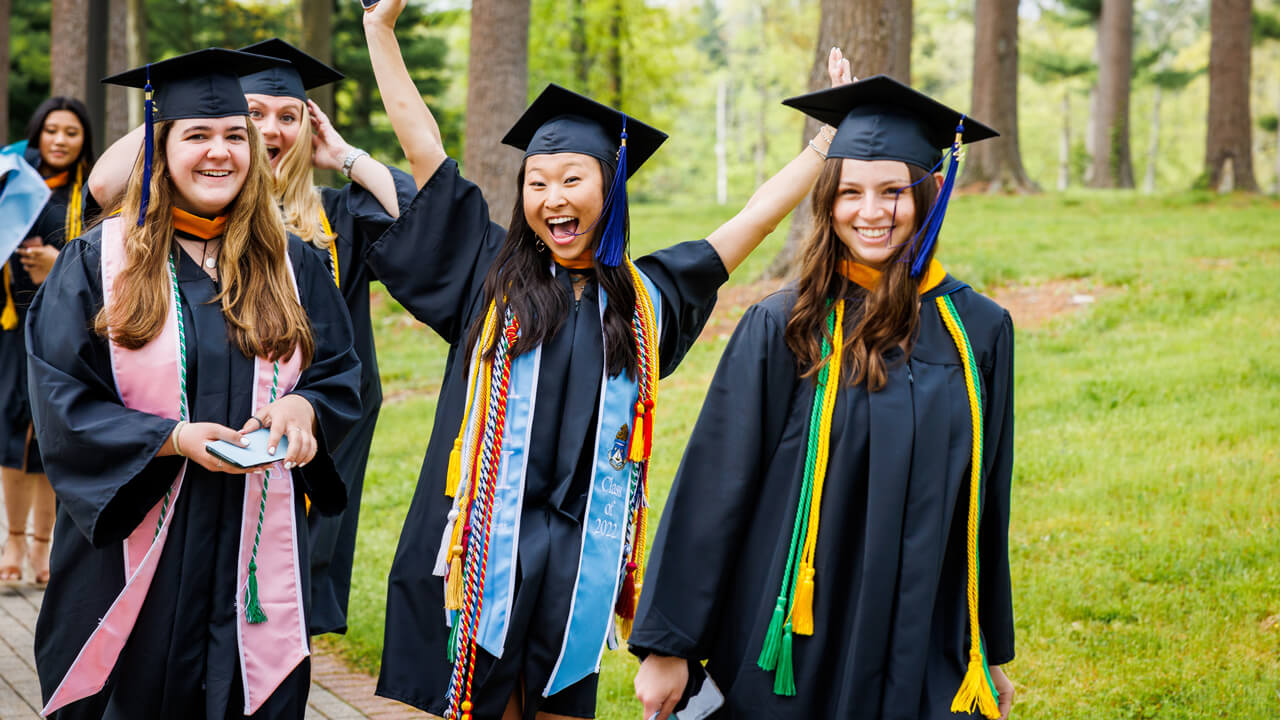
[147,141]
[613,239]
[933,221]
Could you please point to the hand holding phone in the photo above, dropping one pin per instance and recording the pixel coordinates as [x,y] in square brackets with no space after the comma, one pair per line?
[252,455]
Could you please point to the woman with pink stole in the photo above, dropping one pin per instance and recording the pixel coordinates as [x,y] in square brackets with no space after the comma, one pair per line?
[179,584]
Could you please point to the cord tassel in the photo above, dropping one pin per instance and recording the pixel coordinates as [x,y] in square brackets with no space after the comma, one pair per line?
[252,607]
[613,238]
[455,468]
[976,691]
[933,221]
[784,681]
[148,142]
[625,607]
[9,318]
[453,586]
[802,605]
[451,652]
[773,637]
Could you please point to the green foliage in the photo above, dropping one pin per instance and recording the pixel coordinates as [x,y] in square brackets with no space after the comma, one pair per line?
[360,116]
[1266,26]
[28,63]
[1268,122]
[178,27]
[1049,66]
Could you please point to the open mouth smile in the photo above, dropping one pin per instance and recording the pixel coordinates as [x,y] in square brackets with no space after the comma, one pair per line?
[564,229]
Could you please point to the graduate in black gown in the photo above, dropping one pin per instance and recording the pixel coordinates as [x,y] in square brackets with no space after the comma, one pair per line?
[254,307]
[339,223]
[554,267]
[819,548]
[60,147]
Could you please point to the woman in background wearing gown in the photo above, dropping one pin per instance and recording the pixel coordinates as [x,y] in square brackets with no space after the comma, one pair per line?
[819,548]
[60,147]
[183,623]
[575,311]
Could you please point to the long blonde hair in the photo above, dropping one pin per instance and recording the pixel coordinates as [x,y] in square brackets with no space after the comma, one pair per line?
[264,317]
[294,187]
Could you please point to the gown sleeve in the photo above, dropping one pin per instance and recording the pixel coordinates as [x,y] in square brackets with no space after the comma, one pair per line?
[688,274]
[99,455]
[715,491]
[996,592]
[355,213]
[331,383]
[434,257]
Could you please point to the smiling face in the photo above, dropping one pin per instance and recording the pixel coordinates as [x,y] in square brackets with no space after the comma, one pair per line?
[279,119]
[61,140]
[863,214]
[208,161]
[563,195]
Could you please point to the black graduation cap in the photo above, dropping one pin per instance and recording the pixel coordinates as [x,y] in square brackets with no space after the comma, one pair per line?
[200,84]
[303,72]
[561,120]
[879,118]
[204,83]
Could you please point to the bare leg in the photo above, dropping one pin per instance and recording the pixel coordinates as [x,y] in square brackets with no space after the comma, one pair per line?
[17,505]
[43,510]
[513,711]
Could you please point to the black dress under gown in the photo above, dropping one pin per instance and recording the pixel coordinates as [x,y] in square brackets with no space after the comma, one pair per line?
[891,633]
[438,277]
[181,660]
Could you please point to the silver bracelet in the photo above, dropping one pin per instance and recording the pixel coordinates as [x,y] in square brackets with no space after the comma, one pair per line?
[350,161]
[815,149]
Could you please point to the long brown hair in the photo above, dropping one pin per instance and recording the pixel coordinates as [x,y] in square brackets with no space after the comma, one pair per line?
[264,318]
[881,319]
[519,278]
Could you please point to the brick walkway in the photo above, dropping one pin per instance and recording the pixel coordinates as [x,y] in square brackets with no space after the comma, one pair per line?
[337,693]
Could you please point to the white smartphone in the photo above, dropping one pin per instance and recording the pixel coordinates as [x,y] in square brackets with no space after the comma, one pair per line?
[251,455]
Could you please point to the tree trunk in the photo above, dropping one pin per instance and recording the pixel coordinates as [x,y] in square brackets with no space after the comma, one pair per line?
[498,86]
[68,47]
[6,7]
[614,56]
[1112,161]
[117,110]
[1153,147]
[316,17]
[1064,142]
[578,45]
[876,37]
[997,163]
[1229,135]
[136,54]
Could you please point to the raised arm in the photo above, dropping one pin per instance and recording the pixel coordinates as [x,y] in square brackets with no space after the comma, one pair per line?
[779,195]
[110,176]
[415,127]
[330,152]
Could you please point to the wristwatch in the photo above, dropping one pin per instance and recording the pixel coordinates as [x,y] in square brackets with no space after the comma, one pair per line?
[352,156]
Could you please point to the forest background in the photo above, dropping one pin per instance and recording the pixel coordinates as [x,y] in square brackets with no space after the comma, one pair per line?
[1146,532]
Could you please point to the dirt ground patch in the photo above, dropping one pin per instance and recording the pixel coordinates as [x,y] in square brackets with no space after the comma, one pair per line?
[1034,305]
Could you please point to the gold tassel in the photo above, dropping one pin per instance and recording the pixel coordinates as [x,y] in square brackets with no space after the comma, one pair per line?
[624,628]
[455,468]
[9,318]
[307,499]
[975,691]
[636,451]
[453,588]
[802,605]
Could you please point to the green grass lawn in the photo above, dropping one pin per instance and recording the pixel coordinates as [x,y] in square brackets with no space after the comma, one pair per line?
[1146,515]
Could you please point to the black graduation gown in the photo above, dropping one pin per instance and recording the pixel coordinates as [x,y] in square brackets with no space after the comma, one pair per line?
[357,219]
[18,448]
[181,660]
[891,633]
[441,284]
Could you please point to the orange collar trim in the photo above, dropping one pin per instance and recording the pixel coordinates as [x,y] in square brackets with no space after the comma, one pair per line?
[582,262]
[58,180]
[868,277]
[196,226]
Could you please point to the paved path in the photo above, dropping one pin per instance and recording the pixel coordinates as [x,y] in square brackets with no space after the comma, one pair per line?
[337,693]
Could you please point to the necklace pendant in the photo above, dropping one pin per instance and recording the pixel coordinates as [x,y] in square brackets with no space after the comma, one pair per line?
[211,263]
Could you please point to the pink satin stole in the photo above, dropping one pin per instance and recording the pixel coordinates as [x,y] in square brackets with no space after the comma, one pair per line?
[148,380]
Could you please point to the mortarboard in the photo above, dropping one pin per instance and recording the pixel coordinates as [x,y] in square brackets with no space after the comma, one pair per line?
[879,118]
[560,120]
[200,84]
[293,80]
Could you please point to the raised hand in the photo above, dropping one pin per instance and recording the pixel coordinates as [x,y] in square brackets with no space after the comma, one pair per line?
[329,150]
[838,68]
[384,13]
